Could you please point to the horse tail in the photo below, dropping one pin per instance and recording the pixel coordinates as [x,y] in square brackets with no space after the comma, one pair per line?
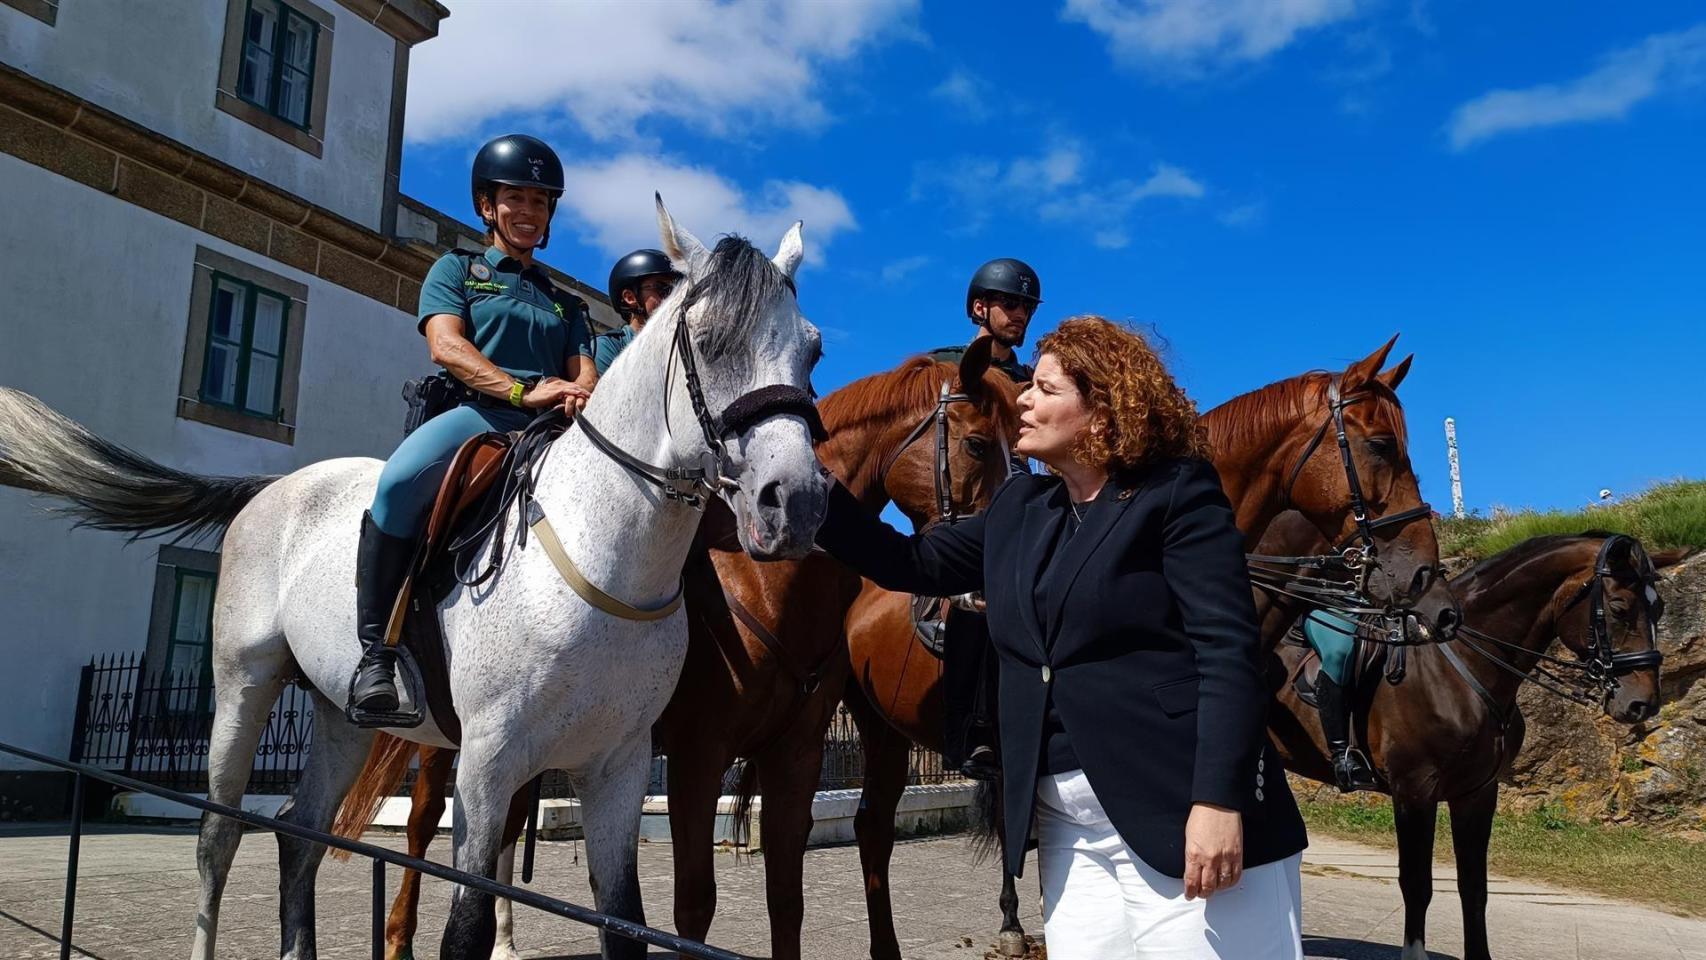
[986,819]
[387,763]
[107,486]
[745,790]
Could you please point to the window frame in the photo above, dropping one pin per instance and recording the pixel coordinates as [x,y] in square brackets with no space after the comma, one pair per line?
[279,427]
[245,349]
[275,75]
[203,678]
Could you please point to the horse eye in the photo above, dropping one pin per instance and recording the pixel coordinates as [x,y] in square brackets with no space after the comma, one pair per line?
[977,447]
[1381,446]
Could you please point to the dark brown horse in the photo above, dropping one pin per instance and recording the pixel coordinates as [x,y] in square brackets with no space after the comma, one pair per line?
[766,660]
[1276,448]
[1451,727]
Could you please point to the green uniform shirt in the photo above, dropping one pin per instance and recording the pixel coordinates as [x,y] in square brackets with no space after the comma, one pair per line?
[1015,371]
[606,346]
[513,315]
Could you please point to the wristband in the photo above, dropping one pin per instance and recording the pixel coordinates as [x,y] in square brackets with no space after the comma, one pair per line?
[516,389]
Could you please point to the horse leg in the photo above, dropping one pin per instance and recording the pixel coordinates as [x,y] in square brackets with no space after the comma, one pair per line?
[334,761]
[504,910]
[1415,823]
[1471,826]
[426,808]
[873,824]
[241,705]
[485,786]
[610,806]
[1010,942]
[695,786]
[790,771]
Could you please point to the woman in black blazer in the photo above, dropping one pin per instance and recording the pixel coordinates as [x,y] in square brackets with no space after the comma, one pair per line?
[1132,709]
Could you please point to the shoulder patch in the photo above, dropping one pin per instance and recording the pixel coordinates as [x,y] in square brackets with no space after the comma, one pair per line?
[480,271]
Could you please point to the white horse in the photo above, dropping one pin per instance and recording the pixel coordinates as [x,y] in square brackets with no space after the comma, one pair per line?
[540,678]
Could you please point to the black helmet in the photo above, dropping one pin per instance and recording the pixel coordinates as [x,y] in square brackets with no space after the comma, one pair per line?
[633,268]
[1004,275]
[519,161]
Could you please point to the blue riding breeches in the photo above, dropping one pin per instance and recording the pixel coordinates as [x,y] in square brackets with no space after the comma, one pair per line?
[1333,637]
[409,483]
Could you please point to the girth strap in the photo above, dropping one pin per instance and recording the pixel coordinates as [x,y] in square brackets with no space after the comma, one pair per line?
[541,527]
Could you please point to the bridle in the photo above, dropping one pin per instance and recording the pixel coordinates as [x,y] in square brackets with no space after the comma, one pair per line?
[942,474]
[693,485]
[1357,556]
[1597,668]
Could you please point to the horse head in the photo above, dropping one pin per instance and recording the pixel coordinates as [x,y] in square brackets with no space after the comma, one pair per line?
[1616,631]
[747,352]
[970,451]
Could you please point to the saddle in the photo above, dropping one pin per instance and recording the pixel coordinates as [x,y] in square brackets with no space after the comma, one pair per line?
[465,498]
[930,623]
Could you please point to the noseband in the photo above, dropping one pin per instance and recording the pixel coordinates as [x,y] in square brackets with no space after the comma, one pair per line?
[693,485]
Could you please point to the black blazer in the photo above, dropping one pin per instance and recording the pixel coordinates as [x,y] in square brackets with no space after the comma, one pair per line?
[1153,659]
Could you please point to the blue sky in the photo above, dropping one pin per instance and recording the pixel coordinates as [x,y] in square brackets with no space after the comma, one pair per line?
[1514,187]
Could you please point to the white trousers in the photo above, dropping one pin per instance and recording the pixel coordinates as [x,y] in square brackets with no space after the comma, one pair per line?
[1102,902]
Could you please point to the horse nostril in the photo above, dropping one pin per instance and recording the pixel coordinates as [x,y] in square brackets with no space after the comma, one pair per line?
[770,497]
[1447,621]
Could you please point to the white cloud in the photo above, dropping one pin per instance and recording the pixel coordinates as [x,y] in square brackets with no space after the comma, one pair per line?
[966,92]
[1050,187]
[715,66]
[1624,78]
[898,270]
[611,202]
[1193,35]
[1245,215]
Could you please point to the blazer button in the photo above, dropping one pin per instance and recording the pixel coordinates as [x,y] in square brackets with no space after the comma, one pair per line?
[1047,673]
[1259,797]
[1259,781]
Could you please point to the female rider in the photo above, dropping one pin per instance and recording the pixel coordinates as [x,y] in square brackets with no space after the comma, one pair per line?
[515,345]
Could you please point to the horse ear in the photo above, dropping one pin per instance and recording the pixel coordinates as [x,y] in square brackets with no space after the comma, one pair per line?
[973,363]
[1396,375]
[1363,370]
[793,250]
[684,249]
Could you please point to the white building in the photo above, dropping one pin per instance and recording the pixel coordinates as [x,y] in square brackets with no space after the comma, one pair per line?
[205,258]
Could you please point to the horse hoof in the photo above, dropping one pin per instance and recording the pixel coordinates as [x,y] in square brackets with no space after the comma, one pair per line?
[1011,943]
[505,952]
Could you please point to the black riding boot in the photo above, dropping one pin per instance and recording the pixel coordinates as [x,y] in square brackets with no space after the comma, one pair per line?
[1350,768]
[382,563]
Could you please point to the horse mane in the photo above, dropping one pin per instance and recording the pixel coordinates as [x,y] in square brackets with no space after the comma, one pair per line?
[1506,562]
[910,390]
[1252,417]
[739,286]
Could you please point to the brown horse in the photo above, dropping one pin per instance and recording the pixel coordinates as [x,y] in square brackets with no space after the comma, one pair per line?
[1451,727]
[1276,448]
[766,660]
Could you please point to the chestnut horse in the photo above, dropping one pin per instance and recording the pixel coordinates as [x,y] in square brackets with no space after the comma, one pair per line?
[766,660]
[1451,727]
[1276,448]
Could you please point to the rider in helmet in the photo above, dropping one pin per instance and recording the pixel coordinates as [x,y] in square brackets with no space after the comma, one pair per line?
[514,344]
[1001,299]
[1334,639]
[638,283]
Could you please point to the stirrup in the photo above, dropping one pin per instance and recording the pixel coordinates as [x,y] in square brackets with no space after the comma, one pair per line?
[981,764]
[1353,772]
[377,719]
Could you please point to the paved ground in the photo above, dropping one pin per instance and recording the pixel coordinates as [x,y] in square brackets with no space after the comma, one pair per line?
[136,899]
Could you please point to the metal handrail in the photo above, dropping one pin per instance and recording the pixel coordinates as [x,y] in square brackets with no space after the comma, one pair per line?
[379,855]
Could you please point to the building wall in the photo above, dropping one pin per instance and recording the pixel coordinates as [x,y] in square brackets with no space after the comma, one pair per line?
[159,66]
[98,294]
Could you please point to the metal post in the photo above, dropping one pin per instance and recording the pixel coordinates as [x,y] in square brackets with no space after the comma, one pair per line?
[71,869]
[1456,473]
[378,910]
[532,829]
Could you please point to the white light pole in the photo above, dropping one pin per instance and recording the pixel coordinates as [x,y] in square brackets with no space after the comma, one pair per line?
[1456,473]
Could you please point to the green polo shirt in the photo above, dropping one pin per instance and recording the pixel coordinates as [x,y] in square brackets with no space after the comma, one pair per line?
[513,315]
[606,346]
[1015,371]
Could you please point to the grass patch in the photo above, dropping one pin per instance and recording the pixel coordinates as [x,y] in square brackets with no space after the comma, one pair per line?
[1630,863]
[1666,516]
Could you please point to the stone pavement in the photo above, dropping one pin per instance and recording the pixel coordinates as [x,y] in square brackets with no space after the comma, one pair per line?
[136,899]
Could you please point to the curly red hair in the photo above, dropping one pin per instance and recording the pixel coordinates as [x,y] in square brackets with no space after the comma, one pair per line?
[1139,414]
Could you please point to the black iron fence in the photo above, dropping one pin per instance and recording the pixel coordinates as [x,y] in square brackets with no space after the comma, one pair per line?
[83,773]
[153,726]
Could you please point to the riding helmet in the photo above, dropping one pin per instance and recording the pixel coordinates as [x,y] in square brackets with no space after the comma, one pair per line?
[633,268]
[1004,275]
[519,161]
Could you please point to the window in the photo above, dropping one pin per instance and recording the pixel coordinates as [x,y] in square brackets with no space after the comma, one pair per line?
[245,347]
[275,68]
[179,656]
[242,348]
[277,72]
